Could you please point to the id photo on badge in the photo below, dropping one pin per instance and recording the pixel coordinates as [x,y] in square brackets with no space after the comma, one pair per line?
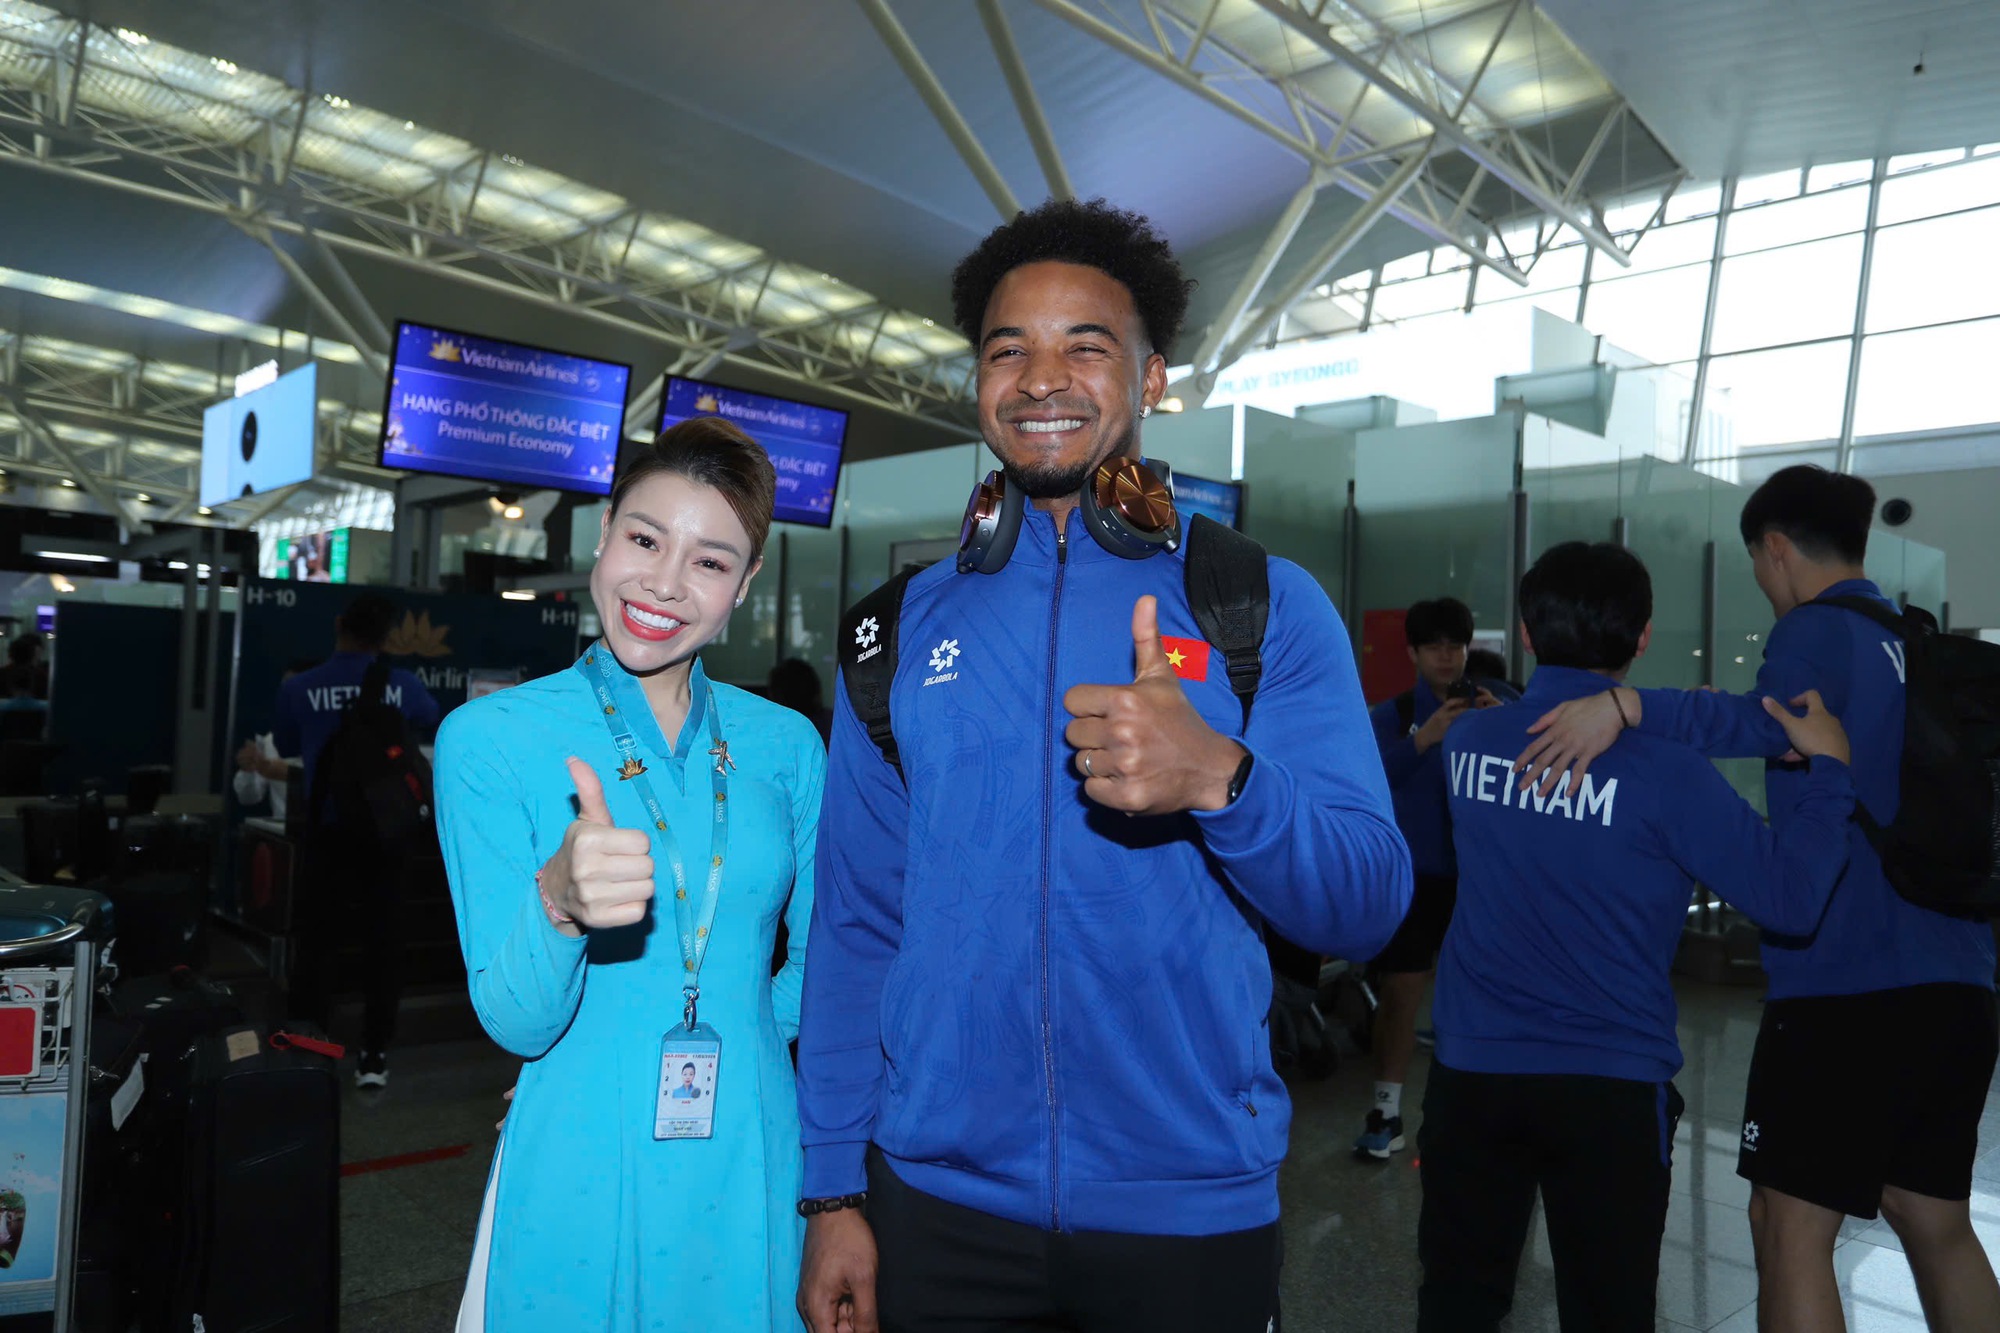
[687,1093]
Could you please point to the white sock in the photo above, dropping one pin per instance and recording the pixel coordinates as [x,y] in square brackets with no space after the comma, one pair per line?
[1389,1099]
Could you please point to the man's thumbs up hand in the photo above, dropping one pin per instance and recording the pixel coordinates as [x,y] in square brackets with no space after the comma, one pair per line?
[1142,748]
[1149,659]
[602,875]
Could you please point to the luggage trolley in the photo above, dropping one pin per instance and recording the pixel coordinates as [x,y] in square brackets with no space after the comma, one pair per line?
[48,962]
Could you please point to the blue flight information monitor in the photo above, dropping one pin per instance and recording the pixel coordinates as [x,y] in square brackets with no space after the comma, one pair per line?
[804,441]
[502,412]
[1220,500]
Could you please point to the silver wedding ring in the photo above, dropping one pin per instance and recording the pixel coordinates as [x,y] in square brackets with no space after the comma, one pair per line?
[1086,765]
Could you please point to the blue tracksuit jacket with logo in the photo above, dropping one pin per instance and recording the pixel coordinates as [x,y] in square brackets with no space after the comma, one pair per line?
[1570,908]
[1046,1010]
[1872,939]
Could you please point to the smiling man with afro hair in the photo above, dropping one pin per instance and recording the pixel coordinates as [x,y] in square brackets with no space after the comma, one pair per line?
[1032,1150]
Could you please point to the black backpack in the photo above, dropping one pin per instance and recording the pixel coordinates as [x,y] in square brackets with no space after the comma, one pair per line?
[1228,585]
[371,775]
[1942,851]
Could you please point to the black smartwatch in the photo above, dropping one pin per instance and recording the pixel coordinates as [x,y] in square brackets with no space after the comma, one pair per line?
[1241,776]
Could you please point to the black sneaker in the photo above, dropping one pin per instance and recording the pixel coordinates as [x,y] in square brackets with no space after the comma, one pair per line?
[373,1071]
[1382,1139]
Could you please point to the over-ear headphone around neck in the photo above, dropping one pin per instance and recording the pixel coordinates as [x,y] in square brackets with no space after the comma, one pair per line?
[1126,508]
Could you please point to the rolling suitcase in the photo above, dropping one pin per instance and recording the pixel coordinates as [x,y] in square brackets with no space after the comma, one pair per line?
[259,1244]
[111,1232]
[171,1014]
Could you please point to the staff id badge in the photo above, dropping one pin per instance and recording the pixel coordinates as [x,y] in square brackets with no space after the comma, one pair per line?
[688,1059]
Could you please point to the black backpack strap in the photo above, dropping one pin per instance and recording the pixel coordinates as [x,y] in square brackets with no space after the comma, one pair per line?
[1228,580]
[868,661]
[1909,622]
[375,681]
[1406,710]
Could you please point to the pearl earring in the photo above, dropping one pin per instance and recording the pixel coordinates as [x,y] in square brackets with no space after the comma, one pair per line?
[597,554]
[1145,412]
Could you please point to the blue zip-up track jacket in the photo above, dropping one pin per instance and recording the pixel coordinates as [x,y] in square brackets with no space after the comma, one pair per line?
[1570,907]
[1047,1010]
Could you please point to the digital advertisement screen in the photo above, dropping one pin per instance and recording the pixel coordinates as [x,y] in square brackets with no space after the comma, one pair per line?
[804,441]
[1220,500]
[261,441]
[502,412]
[316,557]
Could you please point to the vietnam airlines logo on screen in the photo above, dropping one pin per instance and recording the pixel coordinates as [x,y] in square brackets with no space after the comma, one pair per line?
[707,403]
[444,349]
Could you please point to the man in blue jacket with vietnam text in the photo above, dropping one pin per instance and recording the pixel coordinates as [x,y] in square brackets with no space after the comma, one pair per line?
[1555,1015]
[1019,954]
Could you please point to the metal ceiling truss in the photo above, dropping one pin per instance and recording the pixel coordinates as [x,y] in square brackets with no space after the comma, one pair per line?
[122,426]
[1179,41]
[721,314]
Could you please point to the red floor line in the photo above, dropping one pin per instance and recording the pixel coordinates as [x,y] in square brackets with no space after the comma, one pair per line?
[405,1159]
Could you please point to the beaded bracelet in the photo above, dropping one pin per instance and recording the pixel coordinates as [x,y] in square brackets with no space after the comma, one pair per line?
[814,1207]
[556,915]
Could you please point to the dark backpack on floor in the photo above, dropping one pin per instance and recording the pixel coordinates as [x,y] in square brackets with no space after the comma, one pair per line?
[371,776]
[1228,584]
[1942,851]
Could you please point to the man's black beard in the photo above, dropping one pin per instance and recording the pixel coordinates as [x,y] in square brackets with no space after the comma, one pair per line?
[1050,482]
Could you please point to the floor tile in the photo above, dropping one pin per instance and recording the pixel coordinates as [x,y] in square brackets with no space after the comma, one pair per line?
[1877,1293]
[1350,1227]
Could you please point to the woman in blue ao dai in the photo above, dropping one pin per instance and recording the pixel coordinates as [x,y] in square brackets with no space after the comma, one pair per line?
[647,1174]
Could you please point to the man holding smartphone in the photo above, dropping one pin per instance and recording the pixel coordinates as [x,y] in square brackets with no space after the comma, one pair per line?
[1410,731]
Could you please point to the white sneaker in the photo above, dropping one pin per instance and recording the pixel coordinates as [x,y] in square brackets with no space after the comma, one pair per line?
[373,1071]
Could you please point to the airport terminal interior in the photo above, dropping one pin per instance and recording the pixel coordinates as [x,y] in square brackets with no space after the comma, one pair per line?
[328,329]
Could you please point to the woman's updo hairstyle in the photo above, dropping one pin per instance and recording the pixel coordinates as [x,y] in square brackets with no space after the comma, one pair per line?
[713,452]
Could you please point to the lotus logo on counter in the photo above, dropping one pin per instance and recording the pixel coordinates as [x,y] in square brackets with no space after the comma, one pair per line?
[417,637]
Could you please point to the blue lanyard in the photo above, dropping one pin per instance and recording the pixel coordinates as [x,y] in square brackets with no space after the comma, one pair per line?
[693,920]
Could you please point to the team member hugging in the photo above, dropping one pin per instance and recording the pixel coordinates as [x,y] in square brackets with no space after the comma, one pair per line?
[1909,987]
[1555,1016]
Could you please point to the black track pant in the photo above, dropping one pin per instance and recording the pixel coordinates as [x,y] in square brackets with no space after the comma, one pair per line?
[1600,1152]
[944,1267]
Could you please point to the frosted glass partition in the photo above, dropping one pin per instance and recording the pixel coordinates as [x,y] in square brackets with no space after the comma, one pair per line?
[1295,477]
[1668,513]
[744,652]
[1742,625]
[906,498]
[1367,414]
[1199,442]
[1908,571]
[813,597]
[1435,515]
[1923,578]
